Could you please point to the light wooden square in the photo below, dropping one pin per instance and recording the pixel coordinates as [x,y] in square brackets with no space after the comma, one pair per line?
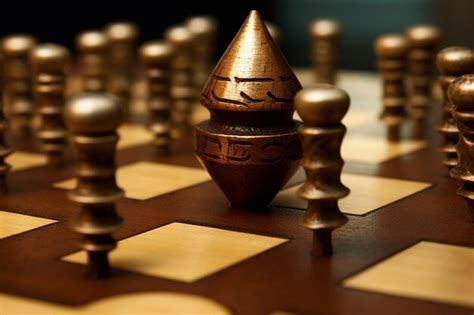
[185,252]
[21,160]
[430,271]
[15,223]
[144,180]
[368,193]
[133,135]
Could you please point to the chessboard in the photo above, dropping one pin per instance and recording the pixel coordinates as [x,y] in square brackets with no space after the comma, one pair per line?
[407,248]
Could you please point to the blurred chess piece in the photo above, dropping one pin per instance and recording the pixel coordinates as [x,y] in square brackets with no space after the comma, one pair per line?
[93,48]
[123,37]
[156,57]
[93,119]
[391,51]
[19,105]
[423,43]
[274,31]
[322,108]
[5,150]
[49,62]
[452,62]
[325,36]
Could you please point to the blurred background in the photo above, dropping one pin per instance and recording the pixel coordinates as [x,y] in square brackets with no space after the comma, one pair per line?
[363,20]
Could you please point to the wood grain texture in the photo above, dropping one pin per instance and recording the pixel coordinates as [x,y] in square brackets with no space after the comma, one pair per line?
[15,223]
[21,160]
[145,180]
[185,252]
[427,270]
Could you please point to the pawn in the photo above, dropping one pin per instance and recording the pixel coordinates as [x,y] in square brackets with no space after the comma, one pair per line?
[325,35]
[452,62]
[322,108]
[461,95]
[93,119]
[18,88]
[423,42]
[391,51]
[156,57]
[93,48]
[49,62]
[5,150]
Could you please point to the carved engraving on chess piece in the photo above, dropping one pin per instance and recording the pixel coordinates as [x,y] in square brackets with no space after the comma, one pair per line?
[250,145]
[5,150]
[423,42]
[19,106]
[391,51]
[461,95]
[452,62]
[322,109]
[49,62]
[325,35]
[156,57]
[93,119]
[93,48]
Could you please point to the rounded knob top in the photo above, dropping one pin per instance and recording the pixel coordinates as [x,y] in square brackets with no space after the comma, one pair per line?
[156,52]
[50,57]
[424,35]
[455,60]
[325,28]
[323,105]
[202,25]
[18,45]
[391,45]
[461,93]
[122,31]
[179,36]
[92,41]
[94,113]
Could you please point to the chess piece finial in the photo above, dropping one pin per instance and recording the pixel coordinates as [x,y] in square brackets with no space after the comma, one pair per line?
[93,119]
[93,48]
[183,90]
[204,28]
[5,150]
[325,36]
[19,103]
[156,57]
[49,63]
[322,108]
[274,31]
[423,42]
[461,95]
[391,51]
[250,145]
[452,62]
[123,37]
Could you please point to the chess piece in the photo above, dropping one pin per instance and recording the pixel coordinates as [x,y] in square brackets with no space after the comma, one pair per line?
[391,51]
[93,48]
[250,145]
[19,105]
[5,150]
[423,42]
[183,90]
[322,108]
[461,95]
[156,57]
[452,62]
[325,35]
[274,31]
[93,119]
[204,29]
[123,38]
[49,63]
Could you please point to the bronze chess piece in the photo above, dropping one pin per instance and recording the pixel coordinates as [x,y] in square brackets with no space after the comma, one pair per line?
[156,57]
[452,62]
[391,51]
[322,108]
[93,119]
[461,95]
[274,31]
[325,36]
[5,150]
[49,62]
[19,105]
[423,42]
[250,145]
